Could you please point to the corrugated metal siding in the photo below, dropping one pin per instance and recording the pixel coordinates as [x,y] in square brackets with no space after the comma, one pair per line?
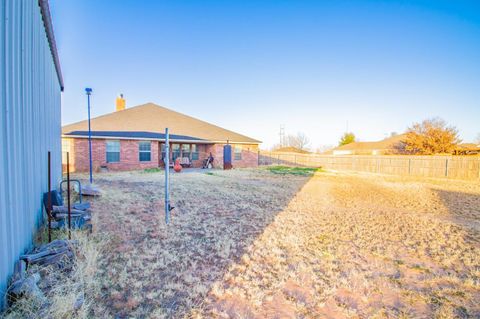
[29,125]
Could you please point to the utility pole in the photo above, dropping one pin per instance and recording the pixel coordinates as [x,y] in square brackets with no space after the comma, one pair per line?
[282,135]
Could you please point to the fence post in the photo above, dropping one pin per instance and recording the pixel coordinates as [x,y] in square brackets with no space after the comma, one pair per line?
[446,167]
[479,168]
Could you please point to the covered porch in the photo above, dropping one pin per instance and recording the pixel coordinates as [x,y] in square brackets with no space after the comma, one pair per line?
[190,154]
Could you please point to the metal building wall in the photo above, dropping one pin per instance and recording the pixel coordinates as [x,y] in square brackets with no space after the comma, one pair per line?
[29,127]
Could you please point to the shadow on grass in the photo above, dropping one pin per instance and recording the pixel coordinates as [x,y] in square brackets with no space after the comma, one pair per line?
[153,269]
[464,210]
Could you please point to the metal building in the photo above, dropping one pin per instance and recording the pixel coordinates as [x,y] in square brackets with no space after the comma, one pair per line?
[30,124]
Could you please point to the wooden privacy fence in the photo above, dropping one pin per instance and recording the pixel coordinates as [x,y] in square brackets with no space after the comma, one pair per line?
[459,167]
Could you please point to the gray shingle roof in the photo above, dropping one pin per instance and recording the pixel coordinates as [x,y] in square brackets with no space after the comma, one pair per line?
[154,119]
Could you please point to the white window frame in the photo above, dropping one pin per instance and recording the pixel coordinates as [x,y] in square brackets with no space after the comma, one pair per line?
[149,151]
[108,144]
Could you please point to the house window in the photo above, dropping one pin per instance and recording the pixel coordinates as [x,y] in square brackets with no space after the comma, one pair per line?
[195,152]
[186,150]
[113,151]
[238,153]
[175,151]
[144,151]
[65,149]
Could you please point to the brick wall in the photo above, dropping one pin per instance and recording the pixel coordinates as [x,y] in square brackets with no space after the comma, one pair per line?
[129,158]
[249,155]
[67,146]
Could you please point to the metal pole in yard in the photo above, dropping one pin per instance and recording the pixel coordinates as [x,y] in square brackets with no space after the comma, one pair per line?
[89,92]
[49,208]
[167,177]
[68,198]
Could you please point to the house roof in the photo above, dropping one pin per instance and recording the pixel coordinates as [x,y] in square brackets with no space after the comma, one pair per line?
[386,144]
[153,119]
[47,23]
[132,135]
[290,149]
[469,147]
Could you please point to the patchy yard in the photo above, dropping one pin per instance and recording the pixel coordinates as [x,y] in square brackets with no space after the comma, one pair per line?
[256,244]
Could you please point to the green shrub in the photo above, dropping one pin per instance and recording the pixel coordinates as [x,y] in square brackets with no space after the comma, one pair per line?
[300,171]
[153,170]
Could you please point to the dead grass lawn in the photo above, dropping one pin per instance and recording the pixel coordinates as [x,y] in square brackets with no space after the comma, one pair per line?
[252,244]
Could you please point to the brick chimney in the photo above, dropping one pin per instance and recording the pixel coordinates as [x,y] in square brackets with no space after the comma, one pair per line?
[120,103]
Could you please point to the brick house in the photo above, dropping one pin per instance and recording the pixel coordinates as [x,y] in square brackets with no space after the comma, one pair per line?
[133,138]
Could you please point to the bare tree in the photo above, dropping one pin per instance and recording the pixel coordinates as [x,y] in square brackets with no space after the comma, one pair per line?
[300,141]
[432,136]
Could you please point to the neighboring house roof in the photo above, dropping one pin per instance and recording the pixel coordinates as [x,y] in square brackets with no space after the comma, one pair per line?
[290,149]
[47,23]
[151,118]
[386,144]
[468,147]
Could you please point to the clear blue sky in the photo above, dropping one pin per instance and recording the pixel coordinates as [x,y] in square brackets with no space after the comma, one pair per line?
[252,65]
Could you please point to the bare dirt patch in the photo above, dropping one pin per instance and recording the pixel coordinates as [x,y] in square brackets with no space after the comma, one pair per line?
[252,244]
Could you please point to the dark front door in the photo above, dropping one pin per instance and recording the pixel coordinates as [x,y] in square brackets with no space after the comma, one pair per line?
[227,156]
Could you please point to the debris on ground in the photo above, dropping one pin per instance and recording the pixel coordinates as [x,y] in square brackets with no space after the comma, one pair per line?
[54,280]
[58,252]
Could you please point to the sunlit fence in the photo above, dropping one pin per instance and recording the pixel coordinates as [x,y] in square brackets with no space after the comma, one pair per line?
[460,167]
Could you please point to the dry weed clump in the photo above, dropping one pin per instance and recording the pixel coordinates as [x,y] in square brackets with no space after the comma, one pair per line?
[66,292]
[253,244]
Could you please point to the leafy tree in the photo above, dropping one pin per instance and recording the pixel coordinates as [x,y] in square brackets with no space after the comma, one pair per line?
[347,138]
[432,136]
